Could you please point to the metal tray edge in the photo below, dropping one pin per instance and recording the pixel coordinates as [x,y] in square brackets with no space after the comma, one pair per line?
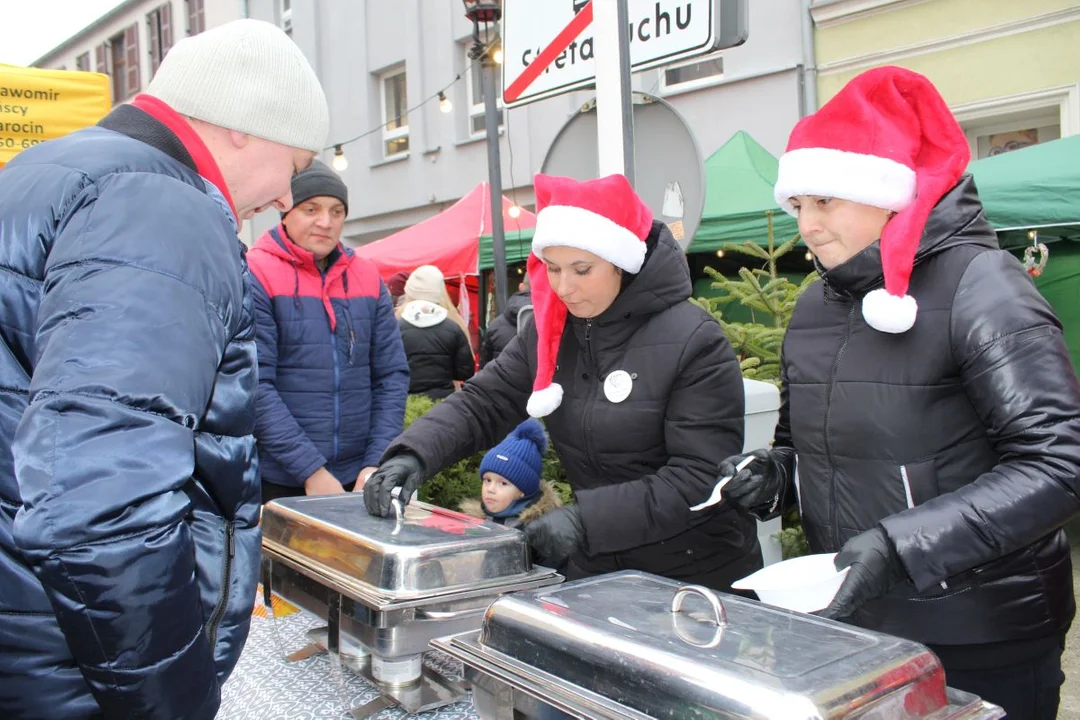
[535,578]
[539,684]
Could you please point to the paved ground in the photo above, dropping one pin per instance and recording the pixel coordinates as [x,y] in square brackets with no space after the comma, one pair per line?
[1070,693]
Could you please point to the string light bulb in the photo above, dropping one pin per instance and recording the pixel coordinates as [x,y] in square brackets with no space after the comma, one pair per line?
[497,55]
[340,162]
[445,105]
[720,253]
[514,211]
[809,256]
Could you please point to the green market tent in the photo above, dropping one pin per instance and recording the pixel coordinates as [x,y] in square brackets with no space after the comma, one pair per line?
[1037,187]
[739,180]
[518,245]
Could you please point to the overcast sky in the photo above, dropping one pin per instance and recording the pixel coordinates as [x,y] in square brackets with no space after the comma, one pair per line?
[31,29]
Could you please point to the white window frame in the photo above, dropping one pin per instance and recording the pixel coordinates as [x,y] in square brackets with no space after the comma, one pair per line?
[697,84]
[977,117]
[476,109]
[389,134]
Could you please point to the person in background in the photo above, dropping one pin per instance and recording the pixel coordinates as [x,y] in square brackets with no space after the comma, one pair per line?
[435,336]
[512,491]
[641,391]
[930,424]
[505,326]
[129,493]
[332,370]
[396,286]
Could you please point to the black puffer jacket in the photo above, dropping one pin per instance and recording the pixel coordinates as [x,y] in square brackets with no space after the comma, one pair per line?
[503,328]
[437,349]
[961,437]
[636,466]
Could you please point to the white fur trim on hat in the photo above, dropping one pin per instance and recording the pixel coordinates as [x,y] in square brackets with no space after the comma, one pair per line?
[544,402]
[865,179]
[248,76]
[569,226]
[889,313]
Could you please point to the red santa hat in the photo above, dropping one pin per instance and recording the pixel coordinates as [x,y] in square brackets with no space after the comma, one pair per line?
[887,139]
[605,217]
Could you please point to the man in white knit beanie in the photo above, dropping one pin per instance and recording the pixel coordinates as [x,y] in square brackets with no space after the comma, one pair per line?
[129,491]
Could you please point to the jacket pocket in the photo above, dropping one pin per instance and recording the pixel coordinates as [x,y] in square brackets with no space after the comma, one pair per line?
[920,482]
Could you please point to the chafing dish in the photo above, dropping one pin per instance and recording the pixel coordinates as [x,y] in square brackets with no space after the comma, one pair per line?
[630,645]
[388,586]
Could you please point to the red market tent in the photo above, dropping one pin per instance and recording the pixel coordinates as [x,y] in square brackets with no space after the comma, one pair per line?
[451,242]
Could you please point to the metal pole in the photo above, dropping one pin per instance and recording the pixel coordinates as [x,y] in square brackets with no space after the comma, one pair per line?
[626,100]
[491,125]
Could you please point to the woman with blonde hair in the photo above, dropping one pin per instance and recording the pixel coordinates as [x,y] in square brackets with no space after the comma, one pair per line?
[439,353]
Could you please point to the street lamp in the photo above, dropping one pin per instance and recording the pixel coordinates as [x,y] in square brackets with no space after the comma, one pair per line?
[488,12]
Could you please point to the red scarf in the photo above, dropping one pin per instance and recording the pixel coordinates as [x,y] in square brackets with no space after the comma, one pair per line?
[204,161]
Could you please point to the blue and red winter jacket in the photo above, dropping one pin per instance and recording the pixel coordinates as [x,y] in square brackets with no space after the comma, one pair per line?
[333,377]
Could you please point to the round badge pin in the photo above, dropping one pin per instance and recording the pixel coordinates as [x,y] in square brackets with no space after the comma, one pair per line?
[617,386]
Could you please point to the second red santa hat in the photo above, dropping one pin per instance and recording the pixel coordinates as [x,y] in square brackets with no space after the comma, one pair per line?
[888,140]
[605,217]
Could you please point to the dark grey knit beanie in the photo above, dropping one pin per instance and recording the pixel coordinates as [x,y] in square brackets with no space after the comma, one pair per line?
[319,181]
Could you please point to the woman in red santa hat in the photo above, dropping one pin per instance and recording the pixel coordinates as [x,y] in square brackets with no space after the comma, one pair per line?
[930,429]
[640,391]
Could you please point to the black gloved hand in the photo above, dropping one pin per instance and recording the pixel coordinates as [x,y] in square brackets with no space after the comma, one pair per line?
[555,535]
[760,487]
[875,570]
[404,471]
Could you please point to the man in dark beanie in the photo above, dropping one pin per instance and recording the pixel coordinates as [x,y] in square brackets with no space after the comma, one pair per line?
[332,370]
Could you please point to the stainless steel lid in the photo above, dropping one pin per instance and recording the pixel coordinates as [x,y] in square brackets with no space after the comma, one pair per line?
[635,642]
[427,552]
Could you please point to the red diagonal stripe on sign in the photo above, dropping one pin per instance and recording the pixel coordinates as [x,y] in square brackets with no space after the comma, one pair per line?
[552,51]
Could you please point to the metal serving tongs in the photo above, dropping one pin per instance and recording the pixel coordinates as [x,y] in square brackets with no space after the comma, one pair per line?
[717,491]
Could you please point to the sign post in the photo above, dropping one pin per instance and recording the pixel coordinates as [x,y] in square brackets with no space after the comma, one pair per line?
[614,103]
[38,105]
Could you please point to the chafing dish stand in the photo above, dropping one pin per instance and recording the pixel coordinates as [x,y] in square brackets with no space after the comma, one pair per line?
[388,586]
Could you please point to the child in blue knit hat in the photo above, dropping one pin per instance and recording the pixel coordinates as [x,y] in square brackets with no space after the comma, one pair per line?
[512,491]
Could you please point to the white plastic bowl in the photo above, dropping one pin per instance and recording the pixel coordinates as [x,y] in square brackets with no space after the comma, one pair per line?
[804,584]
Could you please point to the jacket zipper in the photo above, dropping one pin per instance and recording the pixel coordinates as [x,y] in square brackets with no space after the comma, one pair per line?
[223,597]
[337,383]
[586,418]
[834,520]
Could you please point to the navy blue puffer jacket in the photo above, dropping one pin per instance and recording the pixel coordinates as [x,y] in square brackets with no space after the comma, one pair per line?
[129,538]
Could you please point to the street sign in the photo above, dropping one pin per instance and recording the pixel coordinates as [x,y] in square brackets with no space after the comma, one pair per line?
[661,32]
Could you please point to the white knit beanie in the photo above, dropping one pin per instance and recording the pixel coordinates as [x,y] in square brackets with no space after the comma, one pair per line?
[426,283]
[248,76]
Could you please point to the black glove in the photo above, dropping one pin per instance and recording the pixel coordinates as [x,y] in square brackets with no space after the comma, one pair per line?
[555,535]
[404,471]
[760,487]
[875,570]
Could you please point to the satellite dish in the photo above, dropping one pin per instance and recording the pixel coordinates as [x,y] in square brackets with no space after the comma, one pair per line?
[669,172]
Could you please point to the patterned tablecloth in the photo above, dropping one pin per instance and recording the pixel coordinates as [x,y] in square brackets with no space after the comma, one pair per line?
[266,687]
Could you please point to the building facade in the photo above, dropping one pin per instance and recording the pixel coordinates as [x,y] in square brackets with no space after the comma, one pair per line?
[382,63]
[1009,70]
[128,43]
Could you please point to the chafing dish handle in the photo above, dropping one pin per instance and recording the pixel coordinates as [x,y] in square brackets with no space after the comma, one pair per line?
[709,595]
[448,614]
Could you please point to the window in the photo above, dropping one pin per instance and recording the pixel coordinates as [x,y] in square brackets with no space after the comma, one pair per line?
[699,73]
[82,63]
[286,16]
[474,82]
[1002,124]
[196,17]
[395,130]
[159,26]
[122,53]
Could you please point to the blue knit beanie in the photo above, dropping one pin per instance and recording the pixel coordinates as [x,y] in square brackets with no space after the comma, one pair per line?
[519,458]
